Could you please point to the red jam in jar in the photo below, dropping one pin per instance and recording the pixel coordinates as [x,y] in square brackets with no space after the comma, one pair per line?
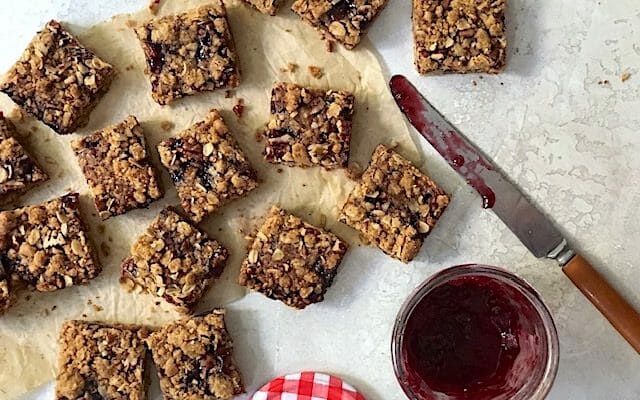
[473,336]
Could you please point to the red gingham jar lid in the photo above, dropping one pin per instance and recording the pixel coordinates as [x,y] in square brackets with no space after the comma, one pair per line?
[307,386]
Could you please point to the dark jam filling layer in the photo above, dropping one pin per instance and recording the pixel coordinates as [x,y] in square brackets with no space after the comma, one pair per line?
[462,338]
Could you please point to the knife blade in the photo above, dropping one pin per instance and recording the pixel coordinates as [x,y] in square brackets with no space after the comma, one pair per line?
[505,199]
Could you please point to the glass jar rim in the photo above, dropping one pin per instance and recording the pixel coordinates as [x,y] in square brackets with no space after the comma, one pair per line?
[540,391]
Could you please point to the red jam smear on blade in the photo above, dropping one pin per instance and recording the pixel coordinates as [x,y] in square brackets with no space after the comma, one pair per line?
[460,154]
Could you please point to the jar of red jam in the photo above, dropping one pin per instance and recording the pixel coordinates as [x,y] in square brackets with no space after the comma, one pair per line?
[475,332]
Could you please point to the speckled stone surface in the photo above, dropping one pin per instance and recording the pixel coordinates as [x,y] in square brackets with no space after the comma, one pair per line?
[551,121]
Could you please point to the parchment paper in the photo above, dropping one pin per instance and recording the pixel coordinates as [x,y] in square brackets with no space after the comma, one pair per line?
[266,45]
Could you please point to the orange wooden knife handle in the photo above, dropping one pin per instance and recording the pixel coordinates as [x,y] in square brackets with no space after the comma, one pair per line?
[606,299]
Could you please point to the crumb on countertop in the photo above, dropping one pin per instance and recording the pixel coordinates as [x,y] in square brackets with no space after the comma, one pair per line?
[625,76]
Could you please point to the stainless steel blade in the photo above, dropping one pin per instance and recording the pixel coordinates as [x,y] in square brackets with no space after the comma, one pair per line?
[526,221]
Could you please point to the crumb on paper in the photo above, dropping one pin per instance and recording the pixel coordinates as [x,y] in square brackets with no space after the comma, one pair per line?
[474,83]
[167,125]
[228,94]
[625,76]
[603,82]
[97,308]
[129,67]
[279,170]
[316,72]
[153,6]
[329,45]
[291,67]
[238,108]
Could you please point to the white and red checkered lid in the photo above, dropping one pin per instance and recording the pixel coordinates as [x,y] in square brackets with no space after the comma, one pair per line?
[307,386]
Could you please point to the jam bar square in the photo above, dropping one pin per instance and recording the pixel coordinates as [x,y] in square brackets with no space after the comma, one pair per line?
[291,260]
[115,164]
[459,35]
[46,245]
[270,7]
[99,361]
[194,357]
[18,171]
[174,260]
[207,166]
[58,80]
[345,21]
[395,206]
[189,53]
[309,127]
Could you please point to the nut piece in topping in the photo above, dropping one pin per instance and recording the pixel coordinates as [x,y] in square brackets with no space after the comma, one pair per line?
[345,21]
[194,357]
[207,166]
[173,260]
[395,206]
[269,7]
[459,35]
[189,53]
[18,171]
[309,127]
[99,361]
[115,164]
[6,296]
[46,245]
[291,260]
[58,80]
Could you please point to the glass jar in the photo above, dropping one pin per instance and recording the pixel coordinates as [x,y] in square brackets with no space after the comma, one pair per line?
[528,378]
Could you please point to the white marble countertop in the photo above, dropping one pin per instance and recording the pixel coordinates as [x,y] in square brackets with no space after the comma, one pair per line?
[561,123]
